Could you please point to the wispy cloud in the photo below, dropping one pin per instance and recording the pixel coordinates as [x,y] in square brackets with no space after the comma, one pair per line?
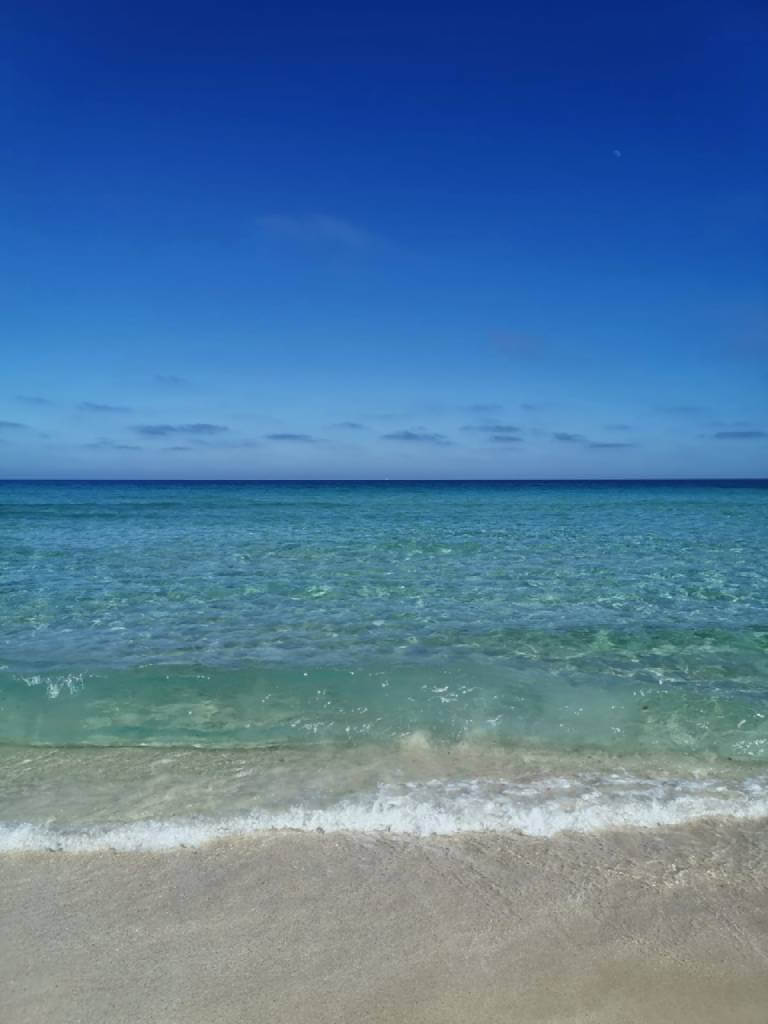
[101,407]
[321,229]
[418,436]
[12,425]
[493,428]
[166,429]
[220,443]
[531,407]
[617,426]
[177,448]
[731,425]
[348,425]
[423,409]
[170,380]
[740,435]
[300,438]
[568,438]
[506,438]
[33,400]
[611,444]
[108,444]
[483,408]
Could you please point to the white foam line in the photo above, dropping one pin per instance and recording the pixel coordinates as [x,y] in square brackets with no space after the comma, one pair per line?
[432,809]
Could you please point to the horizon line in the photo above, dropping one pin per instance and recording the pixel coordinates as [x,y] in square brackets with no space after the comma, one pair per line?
[378,480]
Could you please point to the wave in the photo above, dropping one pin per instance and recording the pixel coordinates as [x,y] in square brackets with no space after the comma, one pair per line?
[622,707]
[542,808]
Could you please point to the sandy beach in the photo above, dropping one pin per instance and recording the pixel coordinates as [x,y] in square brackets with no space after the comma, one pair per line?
[635,927]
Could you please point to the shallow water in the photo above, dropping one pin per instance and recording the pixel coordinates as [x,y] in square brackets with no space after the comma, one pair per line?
[403,648]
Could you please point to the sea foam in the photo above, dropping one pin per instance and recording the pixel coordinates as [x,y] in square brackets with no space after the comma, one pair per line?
[543,809]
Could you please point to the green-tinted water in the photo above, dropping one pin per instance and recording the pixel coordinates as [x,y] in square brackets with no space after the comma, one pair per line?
[622,620]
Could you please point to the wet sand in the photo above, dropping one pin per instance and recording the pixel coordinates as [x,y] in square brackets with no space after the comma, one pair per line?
[636,927]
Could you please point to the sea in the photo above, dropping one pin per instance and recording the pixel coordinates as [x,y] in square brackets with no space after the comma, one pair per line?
[182,661]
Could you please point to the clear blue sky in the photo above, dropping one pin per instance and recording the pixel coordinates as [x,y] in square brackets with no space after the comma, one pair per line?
[404,240]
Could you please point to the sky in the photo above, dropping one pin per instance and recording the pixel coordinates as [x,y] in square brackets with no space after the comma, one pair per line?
[414,240]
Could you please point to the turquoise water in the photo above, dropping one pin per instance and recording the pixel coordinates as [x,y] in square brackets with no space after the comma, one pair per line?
[377,635]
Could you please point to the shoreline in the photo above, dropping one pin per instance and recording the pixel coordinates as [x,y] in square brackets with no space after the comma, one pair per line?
[641,926]
[145,799]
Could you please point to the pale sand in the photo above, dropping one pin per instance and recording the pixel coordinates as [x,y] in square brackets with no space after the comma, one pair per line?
[642,926]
